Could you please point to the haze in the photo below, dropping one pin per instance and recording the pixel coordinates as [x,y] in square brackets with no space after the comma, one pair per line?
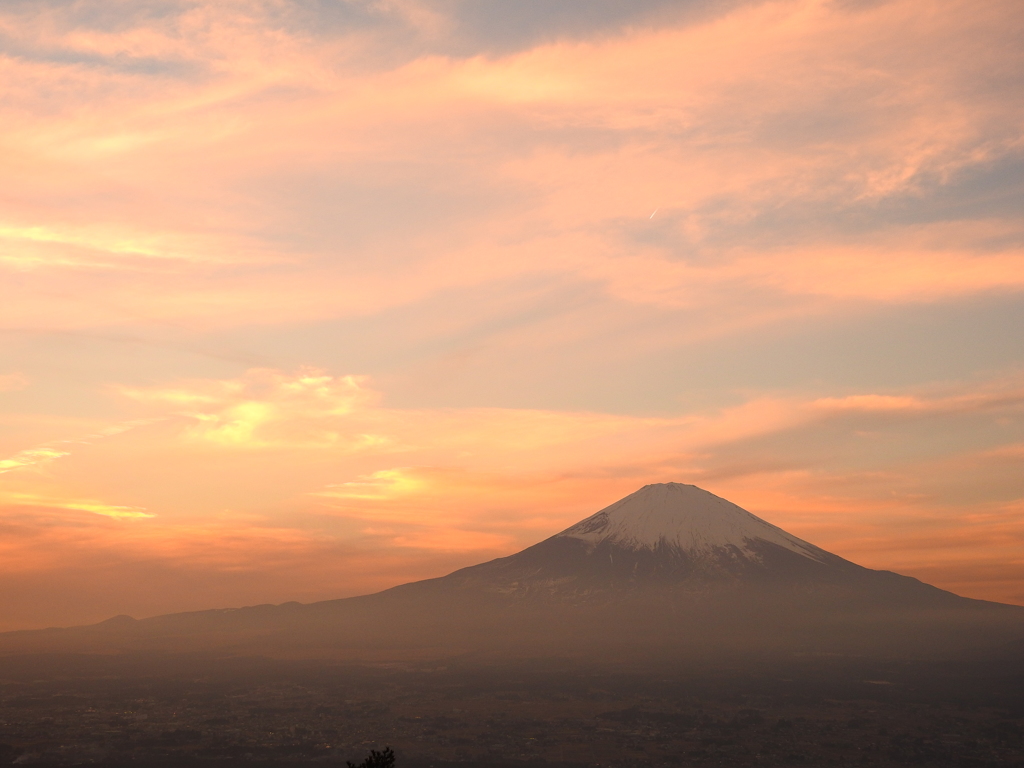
[303,300]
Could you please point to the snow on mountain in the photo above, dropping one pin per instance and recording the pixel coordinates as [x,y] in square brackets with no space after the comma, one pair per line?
[686,519]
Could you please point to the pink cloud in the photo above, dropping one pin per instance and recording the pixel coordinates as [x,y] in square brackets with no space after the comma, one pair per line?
[684,103]
[214,169]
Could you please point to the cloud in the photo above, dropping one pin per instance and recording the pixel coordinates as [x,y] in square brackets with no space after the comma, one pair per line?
[427,190]
[268,409]
[382,484]
[20,500]
[882,403]
[30,458]
[569,145]
[42,455]
[1004,396]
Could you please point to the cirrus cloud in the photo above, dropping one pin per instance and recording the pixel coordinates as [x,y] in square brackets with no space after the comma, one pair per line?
[456,199]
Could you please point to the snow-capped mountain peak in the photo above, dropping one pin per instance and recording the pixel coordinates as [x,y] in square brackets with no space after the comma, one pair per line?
[684,518]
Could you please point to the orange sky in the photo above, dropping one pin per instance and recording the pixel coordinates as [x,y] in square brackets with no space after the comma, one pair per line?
[301,300]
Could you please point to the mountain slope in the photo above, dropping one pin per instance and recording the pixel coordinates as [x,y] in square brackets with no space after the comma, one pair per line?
[667,573]
[664,535]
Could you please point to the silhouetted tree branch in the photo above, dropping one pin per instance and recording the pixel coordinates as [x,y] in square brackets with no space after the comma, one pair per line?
[385,759]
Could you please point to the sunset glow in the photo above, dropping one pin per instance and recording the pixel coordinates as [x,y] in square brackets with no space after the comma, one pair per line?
[305,300]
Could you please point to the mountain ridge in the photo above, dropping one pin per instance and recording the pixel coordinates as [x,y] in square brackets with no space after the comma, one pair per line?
[668,572]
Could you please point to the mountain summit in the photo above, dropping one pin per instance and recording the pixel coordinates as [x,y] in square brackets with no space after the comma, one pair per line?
[685,519]
[670,573]
[667,534]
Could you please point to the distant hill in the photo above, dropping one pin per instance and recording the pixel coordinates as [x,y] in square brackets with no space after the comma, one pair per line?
[671,573]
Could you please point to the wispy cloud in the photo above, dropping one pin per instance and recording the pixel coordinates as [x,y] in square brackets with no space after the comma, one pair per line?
[91,506]
[682,118]
[455,198]
[30,457]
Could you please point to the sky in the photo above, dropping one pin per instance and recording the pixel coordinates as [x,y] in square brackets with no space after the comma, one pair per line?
[302,299]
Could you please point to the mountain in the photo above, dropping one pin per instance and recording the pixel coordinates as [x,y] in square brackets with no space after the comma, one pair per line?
[670,572]
[662,535]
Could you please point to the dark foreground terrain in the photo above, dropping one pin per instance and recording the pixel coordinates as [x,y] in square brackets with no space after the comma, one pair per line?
[191,711]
